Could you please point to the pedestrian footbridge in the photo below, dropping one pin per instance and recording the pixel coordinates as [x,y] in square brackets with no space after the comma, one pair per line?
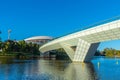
[86,41]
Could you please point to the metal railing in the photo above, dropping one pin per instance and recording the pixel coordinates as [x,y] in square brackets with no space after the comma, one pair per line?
[90,26]
[94,25]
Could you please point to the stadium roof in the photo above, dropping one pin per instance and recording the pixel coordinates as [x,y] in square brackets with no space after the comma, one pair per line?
[38,37]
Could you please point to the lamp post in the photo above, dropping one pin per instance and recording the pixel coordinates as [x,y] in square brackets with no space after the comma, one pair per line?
[9,31]
[0,36]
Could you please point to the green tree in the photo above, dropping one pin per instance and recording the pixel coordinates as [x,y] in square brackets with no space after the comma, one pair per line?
[110,52]
[61,54]
[97,53]
[19,48]
[0,44]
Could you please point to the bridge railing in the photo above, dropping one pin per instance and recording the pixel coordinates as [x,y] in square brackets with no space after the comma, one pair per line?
[92,25]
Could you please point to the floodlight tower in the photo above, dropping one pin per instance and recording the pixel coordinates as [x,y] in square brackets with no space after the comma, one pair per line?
[9,31]
[0,36]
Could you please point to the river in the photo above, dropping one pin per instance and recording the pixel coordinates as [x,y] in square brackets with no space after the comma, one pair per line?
[100,68]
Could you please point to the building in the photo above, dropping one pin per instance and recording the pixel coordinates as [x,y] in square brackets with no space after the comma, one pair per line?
[38,39]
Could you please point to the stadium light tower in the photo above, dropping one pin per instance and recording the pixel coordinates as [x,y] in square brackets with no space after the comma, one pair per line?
[9,31]
[0,36]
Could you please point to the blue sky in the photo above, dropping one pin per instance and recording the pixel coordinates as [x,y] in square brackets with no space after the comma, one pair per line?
[54,18]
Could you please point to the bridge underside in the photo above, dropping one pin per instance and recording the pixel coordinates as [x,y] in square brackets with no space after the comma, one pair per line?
[83,53]
[86,41]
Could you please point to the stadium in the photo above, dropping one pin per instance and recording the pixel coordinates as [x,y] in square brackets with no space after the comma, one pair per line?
[38,39]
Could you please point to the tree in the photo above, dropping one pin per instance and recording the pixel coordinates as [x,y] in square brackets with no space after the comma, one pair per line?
[0,44]
[110,52]
[97,53]
[61,54]
[19,48]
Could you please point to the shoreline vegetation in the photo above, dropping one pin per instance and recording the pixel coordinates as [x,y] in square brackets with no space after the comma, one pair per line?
[21,49]
[108,52]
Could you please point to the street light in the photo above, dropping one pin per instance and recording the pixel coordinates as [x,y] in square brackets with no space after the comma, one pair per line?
[9,31]
[0,36]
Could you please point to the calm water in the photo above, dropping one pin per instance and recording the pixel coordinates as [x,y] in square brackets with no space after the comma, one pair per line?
[98,69]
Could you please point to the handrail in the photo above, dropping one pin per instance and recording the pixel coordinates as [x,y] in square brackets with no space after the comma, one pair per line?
[95,24]
[92,25]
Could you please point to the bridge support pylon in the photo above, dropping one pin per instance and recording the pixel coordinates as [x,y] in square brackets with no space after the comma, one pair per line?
[85,51]
[70,52]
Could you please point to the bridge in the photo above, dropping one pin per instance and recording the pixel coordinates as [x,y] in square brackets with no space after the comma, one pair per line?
[85,41]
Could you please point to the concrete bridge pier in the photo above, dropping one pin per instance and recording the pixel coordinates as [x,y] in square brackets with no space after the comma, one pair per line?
[69,51]
[85,51]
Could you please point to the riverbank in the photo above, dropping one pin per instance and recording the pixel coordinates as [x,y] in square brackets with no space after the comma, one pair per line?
[19,55]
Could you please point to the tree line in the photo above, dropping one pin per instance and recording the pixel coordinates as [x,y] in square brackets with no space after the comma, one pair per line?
[19,48]
[109,52]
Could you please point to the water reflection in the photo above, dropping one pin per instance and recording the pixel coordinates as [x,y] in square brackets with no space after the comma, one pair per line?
[62,70]
[81,71]
[99,69]
[45,70]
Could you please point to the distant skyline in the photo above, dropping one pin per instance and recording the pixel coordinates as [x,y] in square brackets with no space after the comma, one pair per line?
[27,18]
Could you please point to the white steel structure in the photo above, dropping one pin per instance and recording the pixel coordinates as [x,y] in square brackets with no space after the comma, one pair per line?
[38,39]
[86,41]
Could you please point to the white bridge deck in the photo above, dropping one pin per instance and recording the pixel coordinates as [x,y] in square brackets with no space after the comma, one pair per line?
[86,41]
